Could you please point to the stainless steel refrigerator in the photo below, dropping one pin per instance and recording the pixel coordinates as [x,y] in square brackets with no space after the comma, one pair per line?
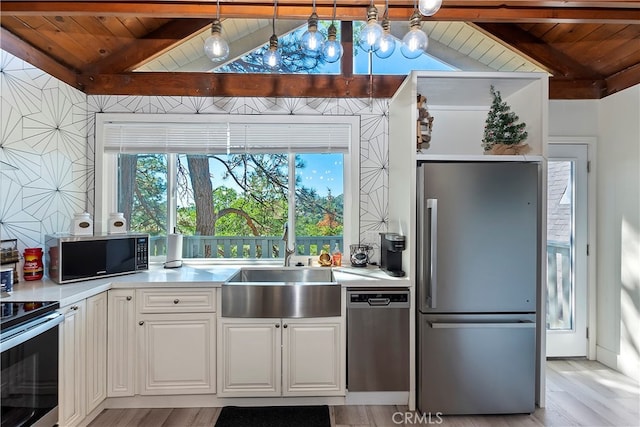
[478,263]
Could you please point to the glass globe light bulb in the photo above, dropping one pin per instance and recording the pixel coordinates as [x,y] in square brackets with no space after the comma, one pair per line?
[371,32]
[215,46]
[271,58]
[332,49]
[386,45]
[312,40]
[429,7]
[415,42]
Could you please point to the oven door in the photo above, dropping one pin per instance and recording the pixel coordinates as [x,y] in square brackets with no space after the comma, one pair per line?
[29,377]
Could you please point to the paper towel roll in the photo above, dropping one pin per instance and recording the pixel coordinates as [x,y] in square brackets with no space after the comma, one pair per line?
[174,251]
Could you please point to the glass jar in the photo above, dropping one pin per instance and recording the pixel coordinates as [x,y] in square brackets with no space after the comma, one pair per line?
[33,268]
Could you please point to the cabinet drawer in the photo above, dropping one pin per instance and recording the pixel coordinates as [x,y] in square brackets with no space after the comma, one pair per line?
[176,301]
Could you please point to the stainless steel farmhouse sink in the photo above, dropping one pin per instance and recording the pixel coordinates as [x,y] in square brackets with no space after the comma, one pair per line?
[287,292]
[287,274]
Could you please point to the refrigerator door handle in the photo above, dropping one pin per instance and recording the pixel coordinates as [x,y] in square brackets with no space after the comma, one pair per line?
[459,325]
[432,207]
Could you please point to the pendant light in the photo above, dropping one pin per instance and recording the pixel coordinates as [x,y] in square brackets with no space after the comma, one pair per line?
[429,7]
[372,31]
[271,58]
[332,49]
[215,46]
[312,40]
[386,45]
[415,42]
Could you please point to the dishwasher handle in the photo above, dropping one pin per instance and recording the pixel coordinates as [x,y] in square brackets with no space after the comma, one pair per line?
[379,301]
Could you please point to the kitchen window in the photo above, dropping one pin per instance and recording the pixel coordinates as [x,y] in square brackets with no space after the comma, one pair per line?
[230,184]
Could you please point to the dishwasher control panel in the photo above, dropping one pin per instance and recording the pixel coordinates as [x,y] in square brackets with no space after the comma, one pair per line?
[384,298]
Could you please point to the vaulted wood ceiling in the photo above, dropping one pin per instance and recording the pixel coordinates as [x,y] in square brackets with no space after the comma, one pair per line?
[590,48]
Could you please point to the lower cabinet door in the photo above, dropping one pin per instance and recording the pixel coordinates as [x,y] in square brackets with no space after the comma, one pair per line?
[177,353]
[71,407]
[96,333]
[249,358]
[313,364]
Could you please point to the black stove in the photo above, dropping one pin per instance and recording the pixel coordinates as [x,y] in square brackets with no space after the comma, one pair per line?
[17,312]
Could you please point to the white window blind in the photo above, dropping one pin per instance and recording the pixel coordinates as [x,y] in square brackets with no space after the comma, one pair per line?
[227,134]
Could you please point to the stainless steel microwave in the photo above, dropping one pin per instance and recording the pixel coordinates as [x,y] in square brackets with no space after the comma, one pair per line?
[70,258]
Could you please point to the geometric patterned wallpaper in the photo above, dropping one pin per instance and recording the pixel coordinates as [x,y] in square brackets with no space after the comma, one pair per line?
[43,132]
[47,132]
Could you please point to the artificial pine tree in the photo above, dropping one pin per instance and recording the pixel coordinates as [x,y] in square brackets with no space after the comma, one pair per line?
[501,126]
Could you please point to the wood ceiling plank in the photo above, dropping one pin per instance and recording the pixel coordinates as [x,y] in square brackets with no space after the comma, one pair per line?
[623,79]
[569,33]
[254,85]
[539,30]
[560,64]
[116,27]
[152,45]
[605,56]
[19,48]
[74,38]
[41,35]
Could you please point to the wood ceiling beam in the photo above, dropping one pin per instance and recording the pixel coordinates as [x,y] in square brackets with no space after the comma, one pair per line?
[240,85]
[478,11]
[149,47]
[17,47]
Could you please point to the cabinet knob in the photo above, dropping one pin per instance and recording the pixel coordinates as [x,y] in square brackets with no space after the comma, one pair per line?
[175,301]
[141,323]
[277,325]
[128,297]
[285,325]
[74,307]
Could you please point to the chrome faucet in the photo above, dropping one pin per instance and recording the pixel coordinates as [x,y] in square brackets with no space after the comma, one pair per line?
[288,252]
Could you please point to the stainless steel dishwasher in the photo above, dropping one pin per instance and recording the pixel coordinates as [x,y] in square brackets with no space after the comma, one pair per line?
[378,340]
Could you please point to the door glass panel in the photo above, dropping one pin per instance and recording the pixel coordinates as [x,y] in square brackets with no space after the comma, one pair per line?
[560,239]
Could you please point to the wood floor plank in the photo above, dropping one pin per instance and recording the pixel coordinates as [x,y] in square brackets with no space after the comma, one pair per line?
[155,417]
[579,393]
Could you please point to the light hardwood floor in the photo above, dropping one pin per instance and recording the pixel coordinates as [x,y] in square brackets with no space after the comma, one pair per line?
[579,393]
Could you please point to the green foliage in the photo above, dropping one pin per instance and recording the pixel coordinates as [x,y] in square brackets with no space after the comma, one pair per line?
[149,207]
[502,124]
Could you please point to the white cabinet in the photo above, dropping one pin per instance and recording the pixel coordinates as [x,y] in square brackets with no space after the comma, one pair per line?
[121,350]
[177,353]
[71,404]
[249,359]
[274,357]
[312,360]
[96,356]
[83,367]
[161,341]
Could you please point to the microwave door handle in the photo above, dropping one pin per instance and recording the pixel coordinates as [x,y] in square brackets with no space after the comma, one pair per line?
[432,207]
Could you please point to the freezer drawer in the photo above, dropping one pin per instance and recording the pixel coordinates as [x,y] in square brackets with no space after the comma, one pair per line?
[476,364]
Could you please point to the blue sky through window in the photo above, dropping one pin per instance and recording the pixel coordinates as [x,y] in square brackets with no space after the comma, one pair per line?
[396,64]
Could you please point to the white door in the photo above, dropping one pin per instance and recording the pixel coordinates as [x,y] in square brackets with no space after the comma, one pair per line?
[177,353]
[312,362]
[567,226]
[96,333]
[121,343]
[249,357]
[72,356]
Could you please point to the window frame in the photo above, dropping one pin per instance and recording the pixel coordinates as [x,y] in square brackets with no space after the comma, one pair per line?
[106,163]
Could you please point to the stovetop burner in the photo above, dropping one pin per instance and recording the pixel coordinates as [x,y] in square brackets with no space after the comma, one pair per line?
[16,312]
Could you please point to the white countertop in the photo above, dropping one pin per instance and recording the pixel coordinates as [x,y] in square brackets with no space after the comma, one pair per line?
[185,276]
